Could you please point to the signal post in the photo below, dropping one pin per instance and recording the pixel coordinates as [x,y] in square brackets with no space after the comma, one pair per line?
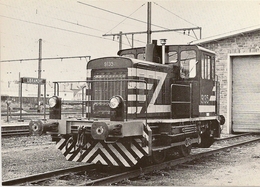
[31,80]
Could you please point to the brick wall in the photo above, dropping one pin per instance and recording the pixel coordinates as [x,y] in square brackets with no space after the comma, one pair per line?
[243,43]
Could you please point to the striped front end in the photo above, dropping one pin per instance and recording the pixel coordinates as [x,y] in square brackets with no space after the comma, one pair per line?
[140,97]
[124,152]
[99,152]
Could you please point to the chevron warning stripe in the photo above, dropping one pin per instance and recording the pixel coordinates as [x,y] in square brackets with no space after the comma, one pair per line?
[99,152]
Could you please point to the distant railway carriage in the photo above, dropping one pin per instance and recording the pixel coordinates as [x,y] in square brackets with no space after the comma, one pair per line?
[146,102]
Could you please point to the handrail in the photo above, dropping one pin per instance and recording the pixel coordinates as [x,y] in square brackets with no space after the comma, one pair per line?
[56,91]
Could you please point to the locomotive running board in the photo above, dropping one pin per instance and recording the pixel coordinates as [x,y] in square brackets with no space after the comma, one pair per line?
[186,142]
[153,121]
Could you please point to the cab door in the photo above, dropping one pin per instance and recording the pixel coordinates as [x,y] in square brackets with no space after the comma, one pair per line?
[207,104]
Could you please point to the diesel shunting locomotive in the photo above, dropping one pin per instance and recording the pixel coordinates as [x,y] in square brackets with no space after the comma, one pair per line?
[146,102]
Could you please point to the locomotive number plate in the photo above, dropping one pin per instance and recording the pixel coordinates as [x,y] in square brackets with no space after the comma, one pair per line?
[108,64]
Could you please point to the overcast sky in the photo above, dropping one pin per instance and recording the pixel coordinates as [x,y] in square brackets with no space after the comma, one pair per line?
[75,27]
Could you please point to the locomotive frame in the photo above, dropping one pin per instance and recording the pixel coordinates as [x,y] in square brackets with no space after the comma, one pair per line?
[141,109]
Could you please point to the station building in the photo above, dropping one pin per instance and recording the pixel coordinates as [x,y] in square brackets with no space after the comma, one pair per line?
[238,70]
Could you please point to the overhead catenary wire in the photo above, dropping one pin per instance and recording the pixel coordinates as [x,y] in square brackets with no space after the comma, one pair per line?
[119,14]
[77,24]
[49,58]
[53,27]
[62,20]
[58,28]
[126,18]
[175,14]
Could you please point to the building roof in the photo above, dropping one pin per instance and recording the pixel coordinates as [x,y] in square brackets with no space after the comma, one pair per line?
[226,35]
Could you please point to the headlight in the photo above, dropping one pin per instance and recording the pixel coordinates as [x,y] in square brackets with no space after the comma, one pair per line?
[114,102]
[52,101]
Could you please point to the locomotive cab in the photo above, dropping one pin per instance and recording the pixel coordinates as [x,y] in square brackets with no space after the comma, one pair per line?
[194,86]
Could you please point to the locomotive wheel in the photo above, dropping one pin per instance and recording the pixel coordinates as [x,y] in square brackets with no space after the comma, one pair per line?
[206,141]
[184,151]
[158,156]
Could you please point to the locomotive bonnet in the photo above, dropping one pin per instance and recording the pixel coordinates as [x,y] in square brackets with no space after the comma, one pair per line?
[147,102]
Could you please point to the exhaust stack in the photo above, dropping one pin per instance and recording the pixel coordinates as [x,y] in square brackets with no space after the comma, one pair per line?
[151,52]
[163,42]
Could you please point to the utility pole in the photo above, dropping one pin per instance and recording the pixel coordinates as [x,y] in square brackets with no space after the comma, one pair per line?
[120,40]
[149,20]
[39,74]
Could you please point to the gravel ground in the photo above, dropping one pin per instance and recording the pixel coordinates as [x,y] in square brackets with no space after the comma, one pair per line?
[23,156]
[236,167]
[240,166]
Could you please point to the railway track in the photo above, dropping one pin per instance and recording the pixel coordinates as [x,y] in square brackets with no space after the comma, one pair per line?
[90,175]
[14,130]
[196,154]
[45,176]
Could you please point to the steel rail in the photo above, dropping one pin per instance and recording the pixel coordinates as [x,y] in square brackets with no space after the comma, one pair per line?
[47,175]
[39,114]
[15,133]
[235,136]
[135,173]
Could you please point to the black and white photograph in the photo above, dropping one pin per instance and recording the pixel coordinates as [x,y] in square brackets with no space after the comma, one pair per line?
[130,92]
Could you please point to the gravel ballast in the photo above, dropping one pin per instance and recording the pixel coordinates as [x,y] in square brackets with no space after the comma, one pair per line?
[23,156]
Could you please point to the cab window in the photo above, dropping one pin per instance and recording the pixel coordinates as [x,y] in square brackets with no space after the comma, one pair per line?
[207,67]
[141,56]
[188,64]
[172,57]
[129,55]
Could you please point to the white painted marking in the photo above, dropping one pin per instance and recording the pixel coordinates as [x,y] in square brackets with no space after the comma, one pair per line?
[132,110]
[161,76]
[139,85]
[158,108]
[212,98]
[128,154]
[110,158]
[132,97]
[118,155]
[99,158]
[92,151]
[78,155]
[62,140]
[207,108]
[139,154]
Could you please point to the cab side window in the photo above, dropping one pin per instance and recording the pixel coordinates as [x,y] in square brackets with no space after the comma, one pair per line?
[207,67]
